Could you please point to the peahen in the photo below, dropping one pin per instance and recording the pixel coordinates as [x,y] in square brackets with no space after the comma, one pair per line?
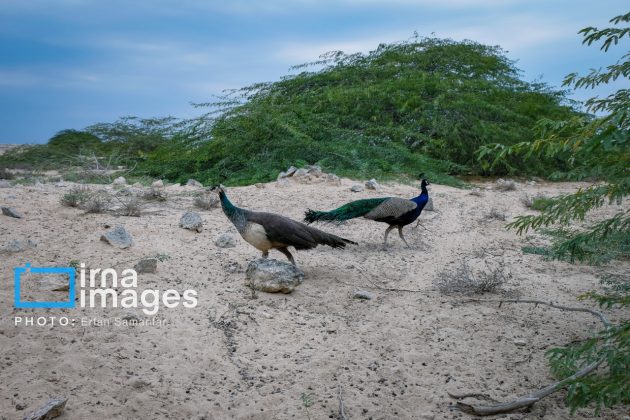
[397,212]
[267,231]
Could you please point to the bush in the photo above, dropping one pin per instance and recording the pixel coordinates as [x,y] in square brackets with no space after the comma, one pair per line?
[76,197]
[462,280]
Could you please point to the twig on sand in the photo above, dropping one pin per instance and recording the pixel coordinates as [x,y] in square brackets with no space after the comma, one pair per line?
[342,411]
[530,399]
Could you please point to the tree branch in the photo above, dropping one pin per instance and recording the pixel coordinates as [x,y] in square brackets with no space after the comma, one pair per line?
[530,399]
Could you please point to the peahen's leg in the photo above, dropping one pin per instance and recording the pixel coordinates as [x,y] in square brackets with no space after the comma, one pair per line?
[286,252]
[265,254]
[402,236]
[389,229]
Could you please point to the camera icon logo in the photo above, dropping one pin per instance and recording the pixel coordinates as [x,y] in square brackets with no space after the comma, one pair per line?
[18,275]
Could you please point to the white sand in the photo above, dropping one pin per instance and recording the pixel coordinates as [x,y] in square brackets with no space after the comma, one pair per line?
[232,356]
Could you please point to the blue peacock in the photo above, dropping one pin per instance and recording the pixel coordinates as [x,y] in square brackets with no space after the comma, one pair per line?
[395,211]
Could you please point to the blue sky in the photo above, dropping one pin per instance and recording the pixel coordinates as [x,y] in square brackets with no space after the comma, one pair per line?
[72,63]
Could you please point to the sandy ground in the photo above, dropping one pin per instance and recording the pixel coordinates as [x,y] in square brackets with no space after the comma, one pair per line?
[245,356]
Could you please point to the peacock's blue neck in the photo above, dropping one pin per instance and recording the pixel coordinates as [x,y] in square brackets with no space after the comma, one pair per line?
[423,197]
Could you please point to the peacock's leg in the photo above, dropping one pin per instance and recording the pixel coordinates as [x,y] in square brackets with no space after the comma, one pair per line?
[402,236]
[265,254]
[286,252]
[389,229]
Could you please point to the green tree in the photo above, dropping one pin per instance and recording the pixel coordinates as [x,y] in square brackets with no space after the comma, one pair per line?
[596,149]
[424,104]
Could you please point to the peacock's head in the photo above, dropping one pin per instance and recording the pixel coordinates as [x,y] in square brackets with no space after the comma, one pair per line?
[424,181]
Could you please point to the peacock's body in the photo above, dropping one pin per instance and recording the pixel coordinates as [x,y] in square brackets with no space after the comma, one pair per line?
[266,231]
[395,211]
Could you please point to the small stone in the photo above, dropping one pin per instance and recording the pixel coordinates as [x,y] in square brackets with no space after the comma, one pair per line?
[291,170]
[191,221]
[157,184]
[269,275]
[194,183]
[429,205]
[356,188]
[17,245]
[130,316]
[52,409]
[281,175]
[146,265]
[120,181]
[372,185]
[8,211]
[505,185]
[300,172]
[4,183]
[333,178]
[314,170]
[362,294]
[520,342]
[118,237]
[226,240]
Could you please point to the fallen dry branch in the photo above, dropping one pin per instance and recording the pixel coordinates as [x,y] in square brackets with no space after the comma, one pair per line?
[530,399]
[342,411]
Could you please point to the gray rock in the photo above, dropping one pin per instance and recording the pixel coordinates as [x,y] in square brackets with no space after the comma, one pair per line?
[291,171]
[283,182]
[520,342]
[8,211]
[225,241]
[17,245]
[120,181]
[356,188]
[157,184]
[333,178]
[362,294]
[131,317]
[314,170]
[194,183]
[118,237]
[505,185]
[281,175]
[429,205]
[372,185]
[191,221]
[4,183]
[268,275]
[146,265]
[300,172]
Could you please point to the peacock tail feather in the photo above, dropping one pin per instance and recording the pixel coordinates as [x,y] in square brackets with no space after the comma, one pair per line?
[348,211]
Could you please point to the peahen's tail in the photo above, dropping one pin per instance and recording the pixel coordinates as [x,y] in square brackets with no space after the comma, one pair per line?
[348,211]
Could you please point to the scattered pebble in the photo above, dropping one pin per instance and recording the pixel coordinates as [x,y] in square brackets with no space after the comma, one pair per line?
[191,221]
[8,211]
[363,294]
[118,237]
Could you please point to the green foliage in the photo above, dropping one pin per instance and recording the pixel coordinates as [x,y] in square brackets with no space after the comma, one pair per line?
[422,105]
[609,386]
[596,149]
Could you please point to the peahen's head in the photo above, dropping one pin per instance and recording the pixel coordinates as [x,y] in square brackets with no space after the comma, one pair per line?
[219,189]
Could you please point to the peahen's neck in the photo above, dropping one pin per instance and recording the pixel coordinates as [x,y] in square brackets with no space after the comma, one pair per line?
[229,209]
